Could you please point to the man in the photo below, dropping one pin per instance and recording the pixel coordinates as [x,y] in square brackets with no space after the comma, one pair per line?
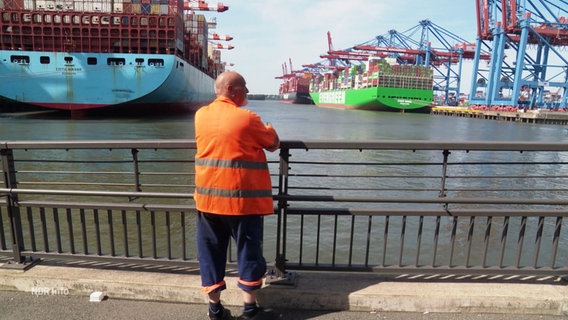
[233,192]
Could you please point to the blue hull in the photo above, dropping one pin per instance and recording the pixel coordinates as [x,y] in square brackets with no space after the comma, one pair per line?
[88,81]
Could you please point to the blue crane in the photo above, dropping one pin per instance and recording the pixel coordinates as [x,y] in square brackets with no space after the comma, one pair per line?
[527,68]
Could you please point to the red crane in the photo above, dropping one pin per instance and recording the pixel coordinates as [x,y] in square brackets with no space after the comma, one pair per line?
[204,6]
[215,36]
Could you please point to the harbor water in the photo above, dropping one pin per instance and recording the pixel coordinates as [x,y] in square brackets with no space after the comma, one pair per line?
[293,122]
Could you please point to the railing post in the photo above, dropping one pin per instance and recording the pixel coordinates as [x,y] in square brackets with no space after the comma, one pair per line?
[278,274]
[442,193]
[136,169]
[9,174]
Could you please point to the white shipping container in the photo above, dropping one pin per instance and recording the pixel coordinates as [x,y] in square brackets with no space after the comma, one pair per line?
[88,6]
[117,7]
[50,5]
[164,9]
[40,4]
[68,5]
[28,4]
[78,5]
[107,7]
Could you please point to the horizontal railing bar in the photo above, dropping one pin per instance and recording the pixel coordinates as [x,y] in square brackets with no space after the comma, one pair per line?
[97,193]
[316,198]
[101,144]
[115,259]
[427,212]
[443,270]
[307,175]
[108,172]
[428,145]
[76,172]
[519,201]
[109,184]
[496,176]
[423,189]
[68,183]
[297,144]
[416,164]
[107,206]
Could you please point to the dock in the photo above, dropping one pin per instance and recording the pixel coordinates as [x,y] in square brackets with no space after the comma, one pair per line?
[544,116]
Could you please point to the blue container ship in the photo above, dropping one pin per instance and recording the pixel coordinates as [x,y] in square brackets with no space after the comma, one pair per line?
[82,55]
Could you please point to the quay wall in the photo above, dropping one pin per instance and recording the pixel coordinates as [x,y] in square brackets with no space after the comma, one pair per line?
[516,115]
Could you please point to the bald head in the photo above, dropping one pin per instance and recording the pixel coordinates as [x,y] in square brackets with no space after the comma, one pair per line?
[232,85]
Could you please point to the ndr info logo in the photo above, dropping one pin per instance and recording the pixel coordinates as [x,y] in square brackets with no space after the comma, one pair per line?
[47,291]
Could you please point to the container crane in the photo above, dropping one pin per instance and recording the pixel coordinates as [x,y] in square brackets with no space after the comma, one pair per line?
[536,75]
[436,47]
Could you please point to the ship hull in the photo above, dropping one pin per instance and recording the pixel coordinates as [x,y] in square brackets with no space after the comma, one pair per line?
[376,98]
[94,81]
[296,98]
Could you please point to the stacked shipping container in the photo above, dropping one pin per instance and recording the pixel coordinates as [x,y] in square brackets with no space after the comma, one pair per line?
[106,26]
[377,72]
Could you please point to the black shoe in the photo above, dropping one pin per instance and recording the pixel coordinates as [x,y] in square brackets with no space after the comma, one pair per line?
[260,314]
[224,314]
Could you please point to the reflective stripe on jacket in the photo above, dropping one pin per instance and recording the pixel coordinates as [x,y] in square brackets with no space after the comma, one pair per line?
[231,173]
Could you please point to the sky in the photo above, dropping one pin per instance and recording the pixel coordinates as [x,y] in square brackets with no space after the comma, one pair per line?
[268,33]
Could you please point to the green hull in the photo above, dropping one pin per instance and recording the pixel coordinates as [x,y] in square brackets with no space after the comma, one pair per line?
[376,98]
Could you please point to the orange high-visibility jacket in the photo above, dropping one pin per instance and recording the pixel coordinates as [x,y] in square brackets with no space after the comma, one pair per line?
[231,173]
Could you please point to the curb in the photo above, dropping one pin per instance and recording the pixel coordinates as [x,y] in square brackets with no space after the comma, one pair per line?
[312,290]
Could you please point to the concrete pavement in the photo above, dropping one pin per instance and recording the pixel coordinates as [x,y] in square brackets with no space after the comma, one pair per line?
[174,293]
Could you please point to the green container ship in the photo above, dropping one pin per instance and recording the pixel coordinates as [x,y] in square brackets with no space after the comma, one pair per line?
[379,84]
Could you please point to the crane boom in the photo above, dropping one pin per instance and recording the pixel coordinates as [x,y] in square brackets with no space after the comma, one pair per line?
[204,6]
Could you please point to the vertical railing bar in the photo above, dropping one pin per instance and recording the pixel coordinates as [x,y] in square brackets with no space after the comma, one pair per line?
[385,240]
[538,243]
[453,241]
[3,242]
[31,227]
[97,231]
[57,230]
[125,234]
[111,233]
[183,237]
[504,234]
[281,213]
[139,234]
[445,154]
[301,253]
[436,239]
[368,246]
[419,241]
[9,178]
[168,235]
[486,240]
[469,240]
[136,168]
[334,249]
[318,239]
[84,231]
[402,236]
[153,224]
[70,230]
[521,240]
[44,229]
[351,240]
[555,242]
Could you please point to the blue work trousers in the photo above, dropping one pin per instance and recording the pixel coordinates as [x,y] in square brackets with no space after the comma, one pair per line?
[214,232]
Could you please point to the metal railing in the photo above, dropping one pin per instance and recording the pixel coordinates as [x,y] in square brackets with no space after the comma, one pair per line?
[366,206]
